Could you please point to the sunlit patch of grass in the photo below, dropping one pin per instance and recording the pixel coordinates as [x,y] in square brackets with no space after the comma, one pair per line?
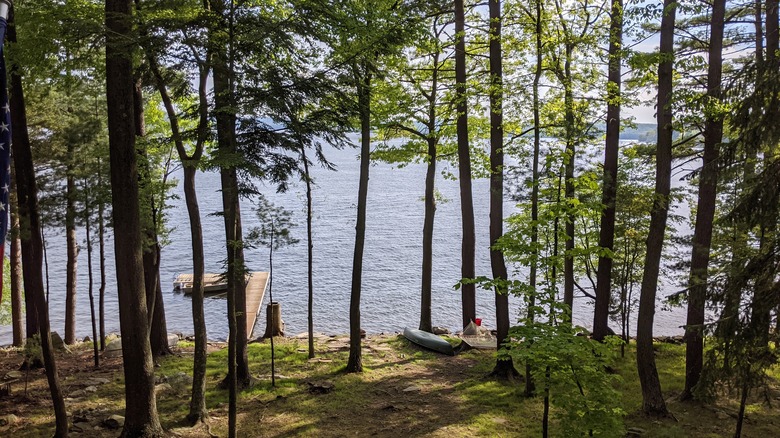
[490,424]
[502,408]
[490,393]
[175,364]
[670,359]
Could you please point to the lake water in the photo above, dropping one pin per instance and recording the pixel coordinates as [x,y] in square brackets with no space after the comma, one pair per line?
[392,260]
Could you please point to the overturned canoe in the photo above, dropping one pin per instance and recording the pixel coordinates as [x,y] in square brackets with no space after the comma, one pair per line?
[429,341]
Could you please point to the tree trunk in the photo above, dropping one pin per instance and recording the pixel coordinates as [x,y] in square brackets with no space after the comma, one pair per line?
[32,324]
[504,367]
[224,110]
[468,239]
[430,212]
[45,259]
[652,398]
[546,404]
[31,245]
[568,255]
[531,300]
[158,335]
[242,360]
[772,34]
[198,411]
[309,250]
[765,296]
[138,101]
[102,251]
[273,310]
[235,271]
[72,250]
[150,261]
[758,26]
[158,330]
[87,229]
[140,404]
[741,413]
[17,300]
[150,264]
[705,209]
[232,380]
[226,137]
[355,362]
[609,180]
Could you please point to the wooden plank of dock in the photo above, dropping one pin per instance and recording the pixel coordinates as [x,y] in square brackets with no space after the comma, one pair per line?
[255,292]
[211,283]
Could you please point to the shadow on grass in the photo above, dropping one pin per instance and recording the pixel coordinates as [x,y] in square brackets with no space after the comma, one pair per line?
[405,391]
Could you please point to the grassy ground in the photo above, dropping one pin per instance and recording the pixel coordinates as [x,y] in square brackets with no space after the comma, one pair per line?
[404,391]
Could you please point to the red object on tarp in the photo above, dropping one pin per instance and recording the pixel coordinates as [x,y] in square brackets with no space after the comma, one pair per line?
[478,321]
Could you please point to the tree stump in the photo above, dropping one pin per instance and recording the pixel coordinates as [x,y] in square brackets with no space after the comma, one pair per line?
[274,326]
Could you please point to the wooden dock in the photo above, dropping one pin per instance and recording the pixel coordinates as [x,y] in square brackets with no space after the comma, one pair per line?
[211,283]
[255,292]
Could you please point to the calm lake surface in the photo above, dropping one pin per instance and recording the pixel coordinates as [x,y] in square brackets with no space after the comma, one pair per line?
[392,260]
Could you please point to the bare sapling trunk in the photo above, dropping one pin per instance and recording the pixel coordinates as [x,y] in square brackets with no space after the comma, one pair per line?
[102,262]
[88,229]
[309,250]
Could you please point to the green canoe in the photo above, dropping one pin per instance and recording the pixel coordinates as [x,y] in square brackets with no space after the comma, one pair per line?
[429,340]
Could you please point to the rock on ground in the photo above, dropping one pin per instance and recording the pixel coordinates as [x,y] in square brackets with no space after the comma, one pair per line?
[113,349]
[7,420]
[441,331]
[58,343]
[114,422]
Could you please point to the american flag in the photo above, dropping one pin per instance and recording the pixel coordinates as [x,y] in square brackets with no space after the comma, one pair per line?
[5,151]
